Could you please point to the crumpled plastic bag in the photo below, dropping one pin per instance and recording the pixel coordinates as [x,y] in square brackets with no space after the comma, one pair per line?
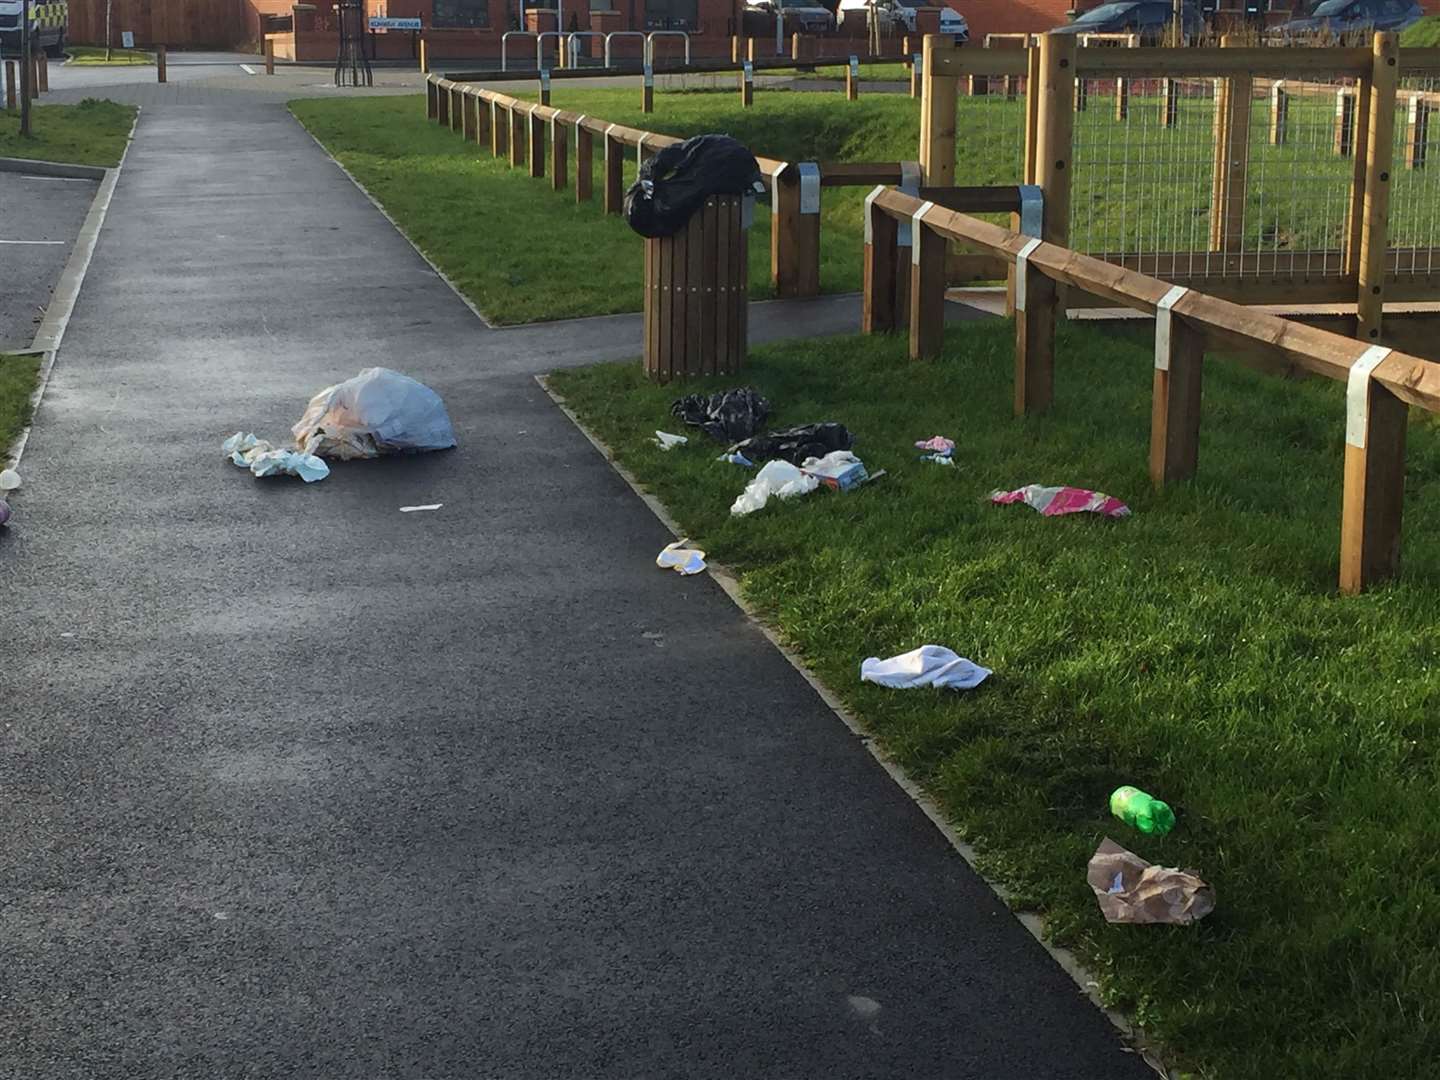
[1131,890]
[727,415]
[262,459]
[675,183]
[665,441]
[777,478]
[796,444]
[929,665]
[681,559]
[377,412]
[1054,501]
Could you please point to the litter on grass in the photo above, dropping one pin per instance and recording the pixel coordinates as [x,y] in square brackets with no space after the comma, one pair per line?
[938,459]
[1054,501]
[1142,811]
[726,415]
[839,471]
[777,478]
[377,412]
[666,441]
[937,444]
[796,444]
[681,559]
[416,509]
[262,459]
[1131,890]
[737,459]
[929,665]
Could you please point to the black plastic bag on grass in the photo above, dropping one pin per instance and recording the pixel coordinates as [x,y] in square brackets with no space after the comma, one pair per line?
[726,415]
[796,444]
[675,182]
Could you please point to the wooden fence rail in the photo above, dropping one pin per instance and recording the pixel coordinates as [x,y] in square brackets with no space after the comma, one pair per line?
[1381,382]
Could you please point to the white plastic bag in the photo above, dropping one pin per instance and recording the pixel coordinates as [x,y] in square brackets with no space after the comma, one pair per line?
[377,412]
[777,478]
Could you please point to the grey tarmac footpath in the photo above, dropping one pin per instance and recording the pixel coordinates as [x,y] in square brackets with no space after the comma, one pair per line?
[296,785]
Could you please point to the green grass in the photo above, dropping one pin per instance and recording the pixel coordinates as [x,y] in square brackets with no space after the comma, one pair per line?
[17,383]
[1197,649]
[896,72]
[86,55]
[93,132]
[1424,34]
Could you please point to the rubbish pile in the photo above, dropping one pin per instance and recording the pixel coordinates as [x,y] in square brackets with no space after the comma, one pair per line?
[377,412]
[938,449]
[797,444]
[675,183]
[728,416]
[1054,501]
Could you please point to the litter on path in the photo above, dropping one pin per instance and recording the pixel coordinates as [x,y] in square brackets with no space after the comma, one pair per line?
[681,559]
[666,441]
[9,479]
[777,478]
[262,459]
[1054,501]
[1131,890]
[726,415]
[797,444]
[417,509]
[929,665]
[377,412]
[4,511]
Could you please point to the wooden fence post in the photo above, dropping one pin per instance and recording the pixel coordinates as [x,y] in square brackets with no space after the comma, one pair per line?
[482,120]
[1344,144]
[424,56]
[852,79]
[881,268]
[160,63]
[1122,98]
[1379,163]
[737,50]
[794,234]
[1417,132]
[537,145]
[1232,153]
[457,109]
[499,131]
[917,74]
[1279,114]
[927,288]
[647,91]
[269,56]
[1032,117]
[517,137]
[42,60]
[559,148]
[1169,103]
[1054,134]
[468,120]
[1036,299]
[937,118]
[10,84]
[584,162]
[1373,499]
[442,105]
[432,100]
[614,173]
[1175,403]
[747,83]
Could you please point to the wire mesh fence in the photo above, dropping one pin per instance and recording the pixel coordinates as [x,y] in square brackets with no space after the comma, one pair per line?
[990,129]
[1414,227]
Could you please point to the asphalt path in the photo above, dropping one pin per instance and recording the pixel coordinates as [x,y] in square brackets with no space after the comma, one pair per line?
[40,217]
[297,785]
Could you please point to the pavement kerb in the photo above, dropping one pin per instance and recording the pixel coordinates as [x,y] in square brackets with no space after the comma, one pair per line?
[62,169]
[67,290]
[1132,1033]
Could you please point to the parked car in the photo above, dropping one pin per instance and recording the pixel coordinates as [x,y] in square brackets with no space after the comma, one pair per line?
[1148,18]
[1349,16]
[801,16]
[898,18]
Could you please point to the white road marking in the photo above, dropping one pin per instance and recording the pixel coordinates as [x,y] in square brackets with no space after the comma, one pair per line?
[63,179]
[247,69]
[32,241]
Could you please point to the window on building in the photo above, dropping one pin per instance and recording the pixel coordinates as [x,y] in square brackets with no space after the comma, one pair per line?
[461,13]
[672,15]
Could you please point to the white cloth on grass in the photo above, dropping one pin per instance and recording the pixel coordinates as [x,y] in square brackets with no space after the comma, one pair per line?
[777,478]
[929,665]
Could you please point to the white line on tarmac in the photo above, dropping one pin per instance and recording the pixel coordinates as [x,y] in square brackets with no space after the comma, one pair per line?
[63,179]
[247,69]
[32,241]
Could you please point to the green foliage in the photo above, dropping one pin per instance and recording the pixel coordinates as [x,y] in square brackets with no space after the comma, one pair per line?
[1423,34]
[93,132]
[1198,649]
[94,55]
[17,383]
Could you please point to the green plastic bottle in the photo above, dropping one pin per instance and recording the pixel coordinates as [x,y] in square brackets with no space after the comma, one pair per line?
[1144,812]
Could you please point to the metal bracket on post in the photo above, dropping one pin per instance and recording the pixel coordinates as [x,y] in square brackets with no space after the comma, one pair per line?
[915,220]
[747,211]
[1163,321]
[869,210]
[1032,210]
[854,66]
[775,191]
[649,77]
[749,70]
[1022,267]
[1357,395]
[809,187]
[545,80]
[917,64]
[909,185]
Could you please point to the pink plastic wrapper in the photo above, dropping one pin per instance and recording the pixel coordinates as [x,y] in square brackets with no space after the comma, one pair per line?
[1054,501]
[937,444]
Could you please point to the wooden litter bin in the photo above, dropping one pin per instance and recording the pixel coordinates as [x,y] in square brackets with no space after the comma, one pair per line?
[696,291]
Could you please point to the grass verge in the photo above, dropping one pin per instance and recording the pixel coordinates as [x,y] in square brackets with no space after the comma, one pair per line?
[17,383]
[92,55]
[1423,34]
[90,133]
[1197,649]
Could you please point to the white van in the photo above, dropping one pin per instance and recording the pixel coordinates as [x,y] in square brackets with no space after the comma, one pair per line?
[49,20]
[898,18]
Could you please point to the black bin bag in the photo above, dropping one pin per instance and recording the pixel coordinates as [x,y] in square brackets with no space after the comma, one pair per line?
[675,182]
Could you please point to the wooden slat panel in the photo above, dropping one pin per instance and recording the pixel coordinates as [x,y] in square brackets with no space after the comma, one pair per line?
[1105,60]
[694,282]
[726,221]
[709,286]
[584,164]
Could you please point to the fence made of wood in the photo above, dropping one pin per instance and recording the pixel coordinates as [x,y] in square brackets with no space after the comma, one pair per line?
[522,130]
[1268,175]
[216,24]
[1381,383]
